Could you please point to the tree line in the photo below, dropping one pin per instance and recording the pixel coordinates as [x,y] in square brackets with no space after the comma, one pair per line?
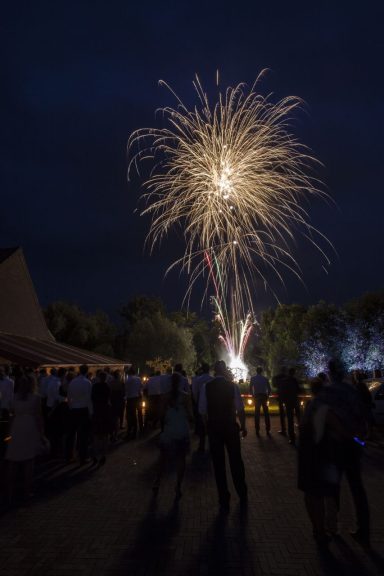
[146,334]
[151,337]
[307,337]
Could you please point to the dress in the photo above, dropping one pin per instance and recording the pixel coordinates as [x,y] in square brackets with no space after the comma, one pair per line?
[25,435]
[318,472]
[175,437]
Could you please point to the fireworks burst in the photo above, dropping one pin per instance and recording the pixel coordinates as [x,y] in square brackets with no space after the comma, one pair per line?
[234,178]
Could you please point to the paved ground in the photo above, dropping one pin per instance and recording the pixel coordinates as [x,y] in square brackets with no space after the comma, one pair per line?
[106,522]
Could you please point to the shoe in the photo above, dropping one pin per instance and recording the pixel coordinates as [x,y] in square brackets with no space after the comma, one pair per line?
[292,442]
[282,432]
[361,538]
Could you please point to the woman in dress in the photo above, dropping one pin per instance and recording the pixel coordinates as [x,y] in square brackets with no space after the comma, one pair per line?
[174,441]
[27,434]
[319,475]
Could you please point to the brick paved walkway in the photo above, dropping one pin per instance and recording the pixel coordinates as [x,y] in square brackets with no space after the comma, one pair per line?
[106,522]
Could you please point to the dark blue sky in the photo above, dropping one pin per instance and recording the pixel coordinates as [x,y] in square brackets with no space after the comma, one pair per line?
[78,77]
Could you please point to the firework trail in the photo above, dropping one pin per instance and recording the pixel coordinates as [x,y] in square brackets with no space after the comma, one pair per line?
[234,332]
[234,179]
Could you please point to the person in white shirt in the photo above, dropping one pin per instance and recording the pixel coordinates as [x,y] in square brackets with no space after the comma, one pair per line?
[80,410]
[52,387]
[261,390]
[133,397]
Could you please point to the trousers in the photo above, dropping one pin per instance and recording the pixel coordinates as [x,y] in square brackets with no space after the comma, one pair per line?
[221,440]
[261,401]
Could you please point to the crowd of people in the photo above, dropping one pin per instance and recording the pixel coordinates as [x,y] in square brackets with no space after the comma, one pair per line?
[332,431]
[71,414]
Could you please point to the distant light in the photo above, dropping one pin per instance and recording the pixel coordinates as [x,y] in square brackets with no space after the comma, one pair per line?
[238,368]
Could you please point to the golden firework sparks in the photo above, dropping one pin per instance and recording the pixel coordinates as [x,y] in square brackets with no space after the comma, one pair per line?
[235,179]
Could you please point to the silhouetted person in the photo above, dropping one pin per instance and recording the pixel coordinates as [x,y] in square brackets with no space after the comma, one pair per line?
[344,401]
[79,415]
[319,475]
[290,396]
[101,418]
[366,401]
[26,434]
[197,385]
[220,402]
[116,386]
[153,399]
[261,390]
[133,396]
[174,440]
[6,406]
[184,384]
[278,382]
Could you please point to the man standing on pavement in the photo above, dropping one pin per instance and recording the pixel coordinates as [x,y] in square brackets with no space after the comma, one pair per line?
[278,382]
[153,398]
[261,390]
[344,401]
[133,395]
[220,401]
[80,410]
[198,384]
[290,396]
[184,384]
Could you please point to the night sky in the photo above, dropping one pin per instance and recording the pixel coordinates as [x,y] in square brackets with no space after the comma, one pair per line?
[78,77]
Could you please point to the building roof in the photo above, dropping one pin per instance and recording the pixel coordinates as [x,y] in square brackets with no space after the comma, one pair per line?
[35,352]
[24,335]
[20,311]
